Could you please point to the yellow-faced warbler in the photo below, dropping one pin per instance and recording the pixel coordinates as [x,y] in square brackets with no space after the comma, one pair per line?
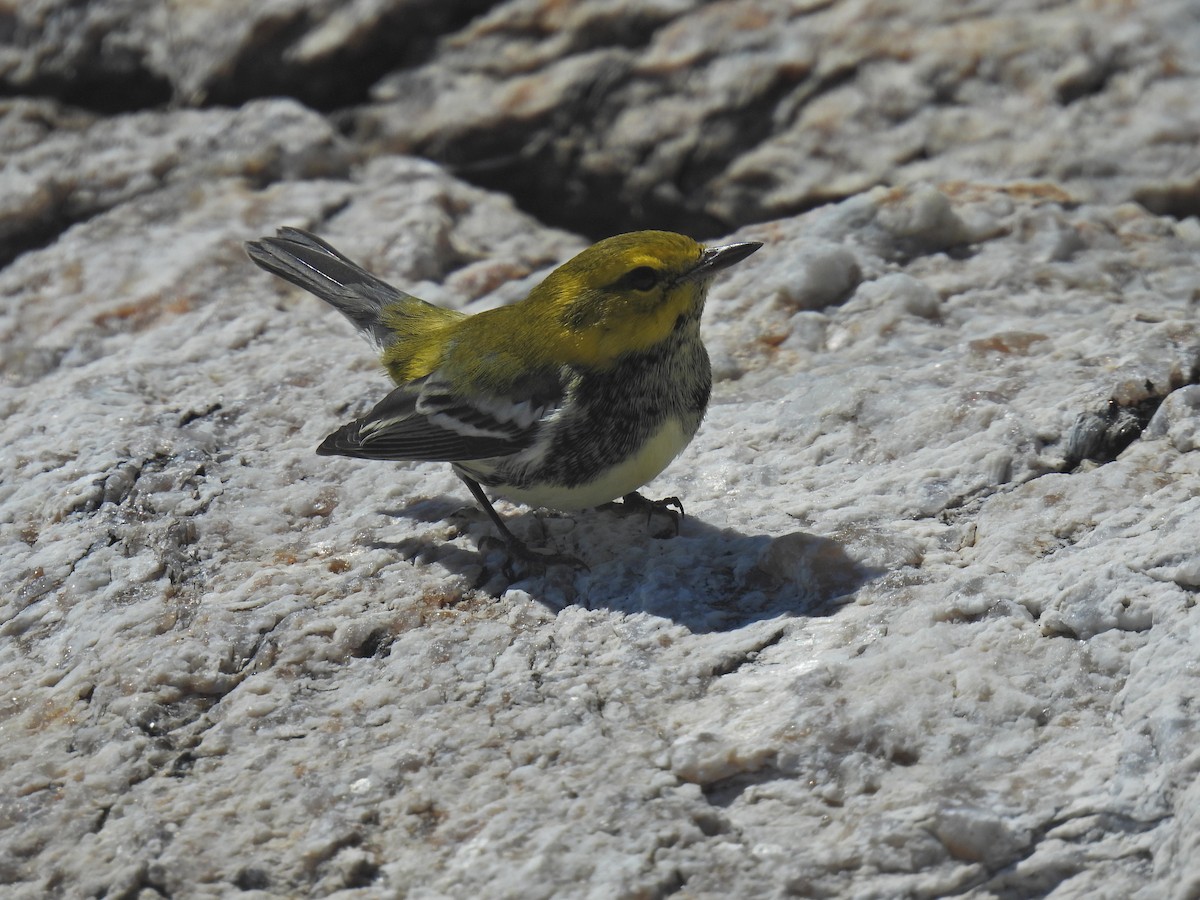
[576,395]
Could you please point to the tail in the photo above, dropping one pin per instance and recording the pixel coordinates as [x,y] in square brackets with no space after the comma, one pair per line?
[308,262]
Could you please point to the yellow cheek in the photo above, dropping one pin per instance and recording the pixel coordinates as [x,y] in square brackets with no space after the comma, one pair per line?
[632,330]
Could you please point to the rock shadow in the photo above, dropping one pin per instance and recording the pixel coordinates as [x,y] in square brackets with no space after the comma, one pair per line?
[705,578]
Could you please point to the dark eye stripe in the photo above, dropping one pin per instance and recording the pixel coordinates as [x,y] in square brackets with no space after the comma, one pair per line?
[643,278]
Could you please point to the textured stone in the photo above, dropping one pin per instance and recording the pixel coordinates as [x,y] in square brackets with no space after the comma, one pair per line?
[929,627]
[699,116]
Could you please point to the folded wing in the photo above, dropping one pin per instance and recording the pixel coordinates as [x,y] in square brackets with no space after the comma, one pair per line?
[427,420]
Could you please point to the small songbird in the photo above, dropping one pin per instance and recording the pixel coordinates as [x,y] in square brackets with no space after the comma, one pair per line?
[573,397]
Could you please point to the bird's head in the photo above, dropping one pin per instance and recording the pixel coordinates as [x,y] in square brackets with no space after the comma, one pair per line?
[630,292]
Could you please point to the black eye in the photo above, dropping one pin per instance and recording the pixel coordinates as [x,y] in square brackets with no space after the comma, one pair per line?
[643,278]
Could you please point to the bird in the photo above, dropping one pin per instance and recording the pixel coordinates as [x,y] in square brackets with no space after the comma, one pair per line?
[568,399]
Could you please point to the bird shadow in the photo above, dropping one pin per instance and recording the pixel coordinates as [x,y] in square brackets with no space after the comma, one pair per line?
[704,578]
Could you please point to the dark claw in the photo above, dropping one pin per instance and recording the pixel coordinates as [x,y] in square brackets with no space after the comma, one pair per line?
[669,506]
[538,560]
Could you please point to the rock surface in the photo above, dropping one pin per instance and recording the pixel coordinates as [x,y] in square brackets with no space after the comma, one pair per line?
[929,628]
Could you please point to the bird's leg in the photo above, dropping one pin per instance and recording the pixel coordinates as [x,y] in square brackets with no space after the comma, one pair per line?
[516,547]
[671,507]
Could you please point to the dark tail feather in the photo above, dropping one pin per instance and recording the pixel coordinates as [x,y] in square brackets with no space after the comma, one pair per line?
[308,262]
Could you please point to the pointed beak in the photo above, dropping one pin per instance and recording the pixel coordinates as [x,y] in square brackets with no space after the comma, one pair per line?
[714,259]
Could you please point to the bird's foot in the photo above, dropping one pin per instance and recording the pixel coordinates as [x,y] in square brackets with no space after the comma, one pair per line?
[532,560]
[671,507]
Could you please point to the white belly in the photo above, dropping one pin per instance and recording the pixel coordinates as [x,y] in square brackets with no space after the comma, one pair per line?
[621,479]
